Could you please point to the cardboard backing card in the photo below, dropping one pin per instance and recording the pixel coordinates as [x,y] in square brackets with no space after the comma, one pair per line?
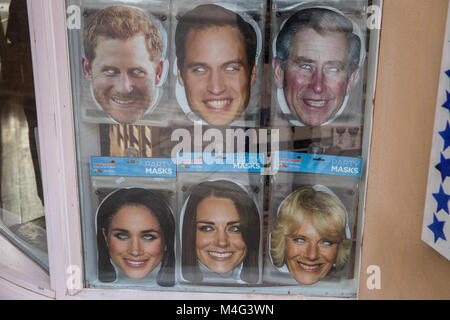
[282,186]
[163,190]
[186,96]
[351,111]
[244,185]
[336,177]
[89,106]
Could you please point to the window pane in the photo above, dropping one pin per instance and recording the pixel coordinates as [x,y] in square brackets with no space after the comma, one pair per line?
[193,98]
[22,218]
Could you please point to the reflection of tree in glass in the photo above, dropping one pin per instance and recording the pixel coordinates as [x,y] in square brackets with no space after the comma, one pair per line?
[340,132]
[353,132]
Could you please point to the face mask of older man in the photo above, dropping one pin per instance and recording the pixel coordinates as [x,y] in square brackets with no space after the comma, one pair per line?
[316,64]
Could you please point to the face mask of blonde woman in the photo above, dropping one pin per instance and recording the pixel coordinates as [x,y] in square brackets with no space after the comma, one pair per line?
[309,236]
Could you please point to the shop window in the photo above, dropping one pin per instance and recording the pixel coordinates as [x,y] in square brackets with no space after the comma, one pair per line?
[198,146]
[22,219]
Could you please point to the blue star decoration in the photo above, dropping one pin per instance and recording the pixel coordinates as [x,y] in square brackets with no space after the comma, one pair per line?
[446,105]
[442,200]
[444,167]
[446,136]
[448,73]
[437,227]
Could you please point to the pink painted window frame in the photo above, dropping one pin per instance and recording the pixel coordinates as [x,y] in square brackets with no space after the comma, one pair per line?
[51,66]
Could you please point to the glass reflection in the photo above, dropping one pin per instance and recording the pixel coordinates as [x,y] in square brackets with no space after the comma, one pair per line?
[22,219]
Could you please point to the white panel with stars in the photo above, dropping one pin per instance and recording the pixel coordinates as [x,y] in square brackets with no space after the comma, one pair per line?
[436,221]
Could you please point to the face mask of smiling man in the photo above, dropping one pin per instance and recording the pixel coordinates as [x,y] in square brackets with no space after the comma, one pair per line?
[122,61]
[316,64]
[216,52]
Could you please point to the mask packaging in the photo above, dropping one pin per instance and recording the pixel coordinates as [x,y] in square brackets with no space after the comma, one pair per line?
[295,101]
[116,182]
[220,220]
[215,75]
[287,263]
[97,96]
